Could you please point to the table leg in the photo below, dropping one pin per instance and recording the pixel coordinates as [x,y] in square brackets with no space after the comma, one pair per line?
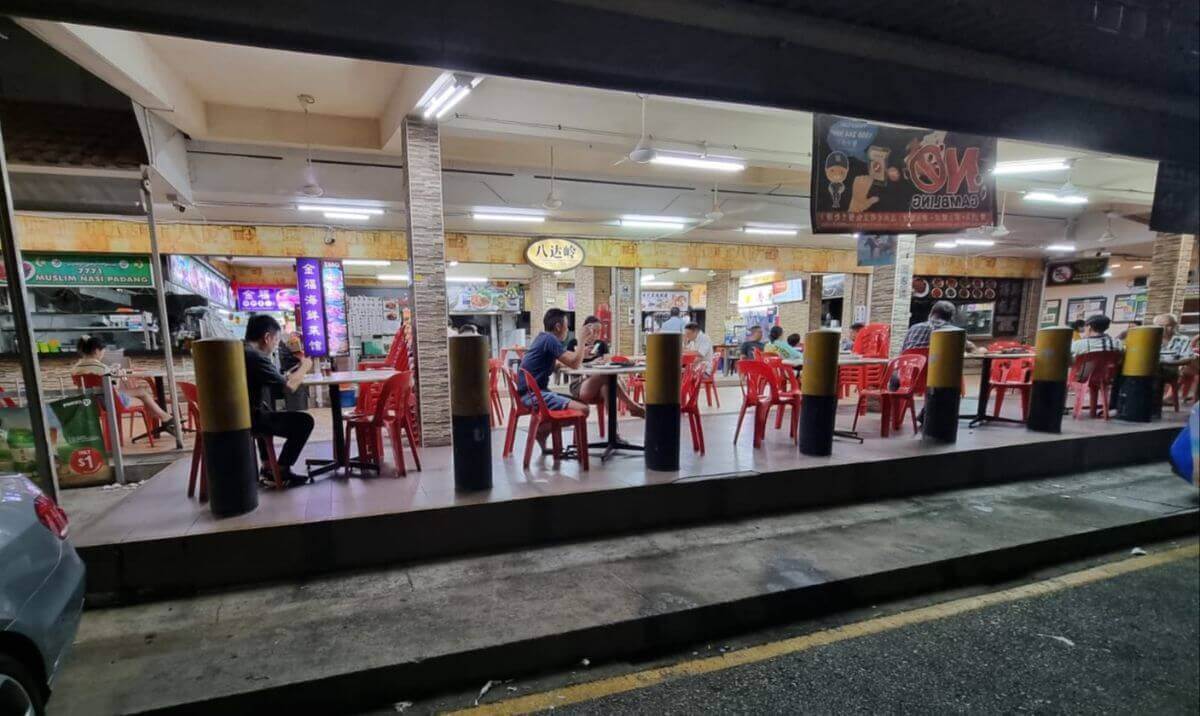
[614,441]
[319,466]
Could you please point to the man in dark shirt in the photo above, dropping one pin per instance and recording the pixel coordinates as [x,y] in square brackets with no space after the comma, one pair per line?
[754,339]
[263,379]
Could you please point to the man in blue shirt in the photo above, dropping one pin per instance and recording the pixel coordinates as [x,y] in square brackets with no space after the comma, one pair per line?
[674,324]
[546,351]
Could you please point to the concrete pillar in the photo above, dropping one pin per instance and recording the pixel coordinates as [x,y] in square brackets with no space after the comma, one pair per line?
[1173,256]
[1031,311]
[815,283]
[602,288]
[718,310]
[585,293]
[543,287]
[794,317]
[891,291]
[422,159]
[855,294]
[626,313]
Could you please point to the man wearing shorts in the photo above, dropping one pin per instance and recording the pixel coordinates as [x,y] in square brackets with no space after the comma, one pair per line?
[546,352]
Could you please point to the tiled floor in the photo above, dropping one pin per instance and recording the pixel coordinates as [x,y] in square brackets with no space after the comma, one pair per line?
[161,509]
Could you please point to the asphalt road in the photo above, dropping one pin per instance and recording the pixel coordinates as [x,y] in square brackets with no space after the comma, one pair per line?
[1129,644]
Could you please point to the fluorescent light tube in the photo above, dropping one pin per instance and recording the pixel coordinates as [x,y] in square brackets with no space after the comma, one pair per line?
[339,207]
[392,277]
[659,219]
[1052,198]
[365,262]
[945,245]
[1061,247]
[720,164]
[525,218]
[1030,166]
[683,269]
[658,284]
[346,216]
[454,99]
[466,279]
[1139,266]
[436,103]
[975,242]
[640,224]
[768,232]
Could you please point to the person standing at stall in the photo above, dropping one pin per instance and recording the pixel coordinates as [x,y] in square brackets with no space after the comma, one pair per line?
[262,378]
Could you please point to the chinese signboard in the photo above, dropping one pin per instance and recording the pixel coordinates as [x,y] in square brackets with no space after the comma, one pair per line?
[554,254]
[664,300]
[1077,271]
[199,278]
[109,270]
[333,284]
[312,307]
[489,298]
[875,178]
[267,298]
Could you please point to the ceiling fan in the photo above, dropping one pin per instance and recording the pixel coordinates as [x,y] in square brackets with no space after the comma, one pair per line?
[716,212]
[311,186]
[642,152]
[999,231]
[553,200]
[1108,234]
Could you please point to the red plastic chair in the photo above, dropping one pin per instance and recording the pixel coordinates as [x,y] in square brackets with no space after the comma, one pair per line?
[910,368]
[558,419]
[689,404]
[707,381]
[516,411]
[1017,377]
[871,341]
[762,392]
[397,355]
[368,429]
[198,472]
[495,365]
[133,410]
[1094,374]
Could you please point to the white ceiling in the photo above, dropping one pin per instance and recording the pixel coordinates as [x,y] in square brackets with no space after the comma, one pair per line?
[496,145]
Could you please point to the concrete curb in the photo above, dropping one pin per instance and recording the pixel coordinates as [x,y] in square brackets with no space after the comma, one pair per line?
[137,571]
[370,688]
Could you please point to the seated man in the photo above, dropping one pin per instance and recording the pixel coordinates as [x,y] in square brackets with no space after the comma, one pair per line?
[262,378]
[754,339]
[540,360]
[696,341]
[1177,356]
[851,334]
[1095,337]
[918,334]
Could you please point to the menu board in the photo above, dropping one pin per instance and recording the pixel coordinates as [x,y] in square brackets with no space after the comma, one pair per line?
[267,298]
[664,300]
[1129,307]
[876,178]
[492,297]
[767,294]
[962,290]
[333,285]
[201,279]
[58,270]
[1080,309]
[312,303]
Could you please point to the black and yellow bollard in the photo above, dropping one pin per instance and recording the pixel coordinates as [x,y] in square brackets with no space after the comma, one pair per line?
[225,426]
[1139,398]
[1051,363]
[470,415]
[818,408]
[943,384]
[664,354]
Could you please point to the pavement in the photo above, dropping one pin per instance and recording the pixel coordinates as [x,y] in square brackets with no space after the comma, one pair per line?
[357,640]
[1124,643]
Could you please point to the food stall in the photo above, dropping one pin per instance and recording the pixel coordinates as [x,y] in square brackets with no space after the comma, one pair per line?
[987,307]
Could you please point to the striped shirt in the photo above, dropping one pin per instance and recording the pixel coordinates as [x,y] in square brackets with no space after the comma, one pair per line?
[1179,348]
[918,333]
[1095,344]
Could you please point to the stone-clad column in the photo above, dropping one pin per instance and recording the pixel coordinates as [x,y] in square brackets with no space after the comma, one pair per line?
[1031,311]
[815,289]
[855,294]
[891,292]
[543,287]
[422,160]
[621,315]
[585,293]
[1174,254]
[717,309]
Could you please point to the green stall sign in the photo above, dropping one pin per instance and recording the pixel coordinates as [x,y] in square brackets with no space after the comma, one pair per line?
[107,270]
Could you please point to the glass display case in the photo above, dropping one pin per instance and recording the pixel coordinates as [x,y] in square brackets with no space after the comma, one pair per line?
[976,318]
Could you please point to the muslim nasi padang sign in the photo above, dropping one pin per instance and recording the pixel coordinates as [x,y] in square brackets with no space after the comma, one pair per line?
[880,179]
[68,270]
[554,254]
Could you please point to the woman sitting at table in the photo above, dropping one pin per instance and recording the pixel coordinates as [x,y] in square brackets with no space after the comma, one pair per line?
[778,346]
[92,362]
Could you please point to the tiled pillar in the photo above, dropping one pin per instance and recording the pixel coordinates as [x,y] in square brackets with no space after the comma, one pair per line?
[585,293]
[814,303]
[1031,311]
[542,289]
[891,291]
[1174,254]
[717,309]
[422,159]
[625,311]
[602,288]
[855,294]
[794,317]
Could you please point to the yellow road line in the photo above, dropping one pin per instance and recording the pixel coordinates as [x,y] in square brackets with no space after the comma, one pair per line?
[650,677]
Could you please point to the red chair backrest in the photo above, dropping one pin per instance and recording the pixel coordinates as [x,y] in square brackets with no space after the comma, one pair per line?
[191,396]
[758,354]
[88,380]
[689,390]
[531,384]
[1097,368]
[910,368]
[924,352]
[716,364]
[495,365]
[689,358]
[1019,370]
[393,392]
[872,340]
[996,346]
[759,375]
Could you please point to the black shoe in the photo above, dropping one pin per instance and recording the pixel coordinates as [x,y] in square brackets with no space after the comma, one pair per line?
[292,479]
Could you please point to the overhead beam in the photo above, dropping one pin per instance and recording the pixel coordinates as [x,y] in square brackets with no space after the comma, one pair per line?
[403,102]
[127,62]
